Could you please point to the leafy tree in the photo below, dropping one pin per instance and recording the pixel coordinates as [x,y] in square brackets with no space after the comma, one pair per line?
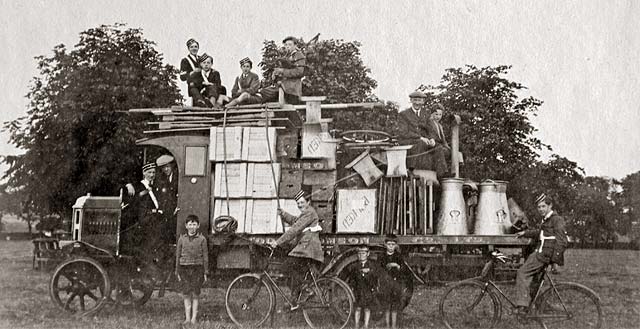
[496,134]
[77,135]
[629,201]
[334,69]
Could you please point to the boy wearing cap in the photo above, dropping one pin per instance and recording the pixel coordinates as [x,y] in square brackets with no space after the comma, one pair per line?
[246,85]
[363,276]
[553,242]
[166,190]
[398,281]
[307,253]
[192,265]
[190,62]
[205,86]
[289,74]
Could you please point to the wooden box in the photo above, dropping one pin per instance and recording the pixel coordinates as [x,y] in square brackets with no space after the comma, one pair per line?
[322,192]
[236,173]
[317,143]
[233,138]
[261,181]
[323,178]
[259,144]
[263,216]
[290,182]
[237,210]
[325,213]
[356,211]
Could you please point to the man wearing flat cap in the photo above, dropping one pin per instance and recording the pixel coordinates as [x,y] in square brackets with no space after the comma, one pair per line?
[166,190]
[287,75]
[552,242]
[246,85]
[414,130]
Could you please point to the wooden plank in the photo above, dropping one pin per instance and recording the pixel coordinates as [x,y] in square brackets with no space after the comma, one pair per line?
[316,177]
[307,164]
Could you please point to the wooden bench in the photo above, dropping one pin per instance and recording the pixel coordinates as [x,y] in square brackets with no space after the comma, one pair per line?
[45,251]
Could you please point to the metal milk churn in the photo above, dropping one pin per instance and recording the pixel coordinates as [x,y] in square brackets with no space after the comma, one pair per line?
[502,190]
[452,218]
[490,215]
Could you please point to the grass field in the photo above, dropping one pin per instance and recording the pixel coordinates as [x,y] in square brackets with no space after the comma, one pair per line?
[25,303]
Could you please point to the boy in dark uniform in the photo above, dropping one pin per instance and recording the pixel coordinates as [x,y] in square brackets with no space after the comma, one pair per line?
[190,62]
[288,75]
[364,277]
[205,86]
[397,280]
[246,85]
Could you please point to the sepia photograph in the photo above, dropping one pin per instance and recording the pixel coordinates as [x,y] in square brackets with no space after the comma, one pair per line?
[320,164]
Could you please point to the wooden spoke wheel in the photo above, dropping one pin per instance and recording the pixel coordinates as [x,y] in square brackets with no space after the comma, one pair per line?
[79,286]
[365,136]
[133,291]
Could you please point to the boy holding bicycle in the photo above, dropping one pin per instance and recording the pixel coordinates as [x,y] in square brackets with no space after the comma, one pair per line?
[192,263]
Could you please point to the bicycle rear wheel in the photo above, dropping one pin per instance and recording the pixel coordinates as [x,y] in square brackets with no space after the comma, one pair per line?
[249,300]
[469,304]
[328,306]
[572,306]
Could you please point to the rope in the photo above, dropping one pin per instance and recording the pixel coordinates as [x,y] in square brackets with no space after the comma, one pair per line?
[271,161]
[224,158]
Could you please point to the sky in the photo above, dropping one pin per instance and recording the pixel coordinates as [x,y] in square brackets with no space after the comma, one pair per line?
[580,57]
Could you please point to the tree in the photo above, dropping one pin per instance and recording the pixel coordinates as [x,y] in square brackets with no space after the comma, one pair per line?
[496,134]
[77,134]
[334,69]
[629,200]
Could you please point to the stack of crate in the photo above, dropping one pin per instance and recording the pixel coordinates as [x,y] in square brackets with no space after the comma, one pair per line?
[250,177]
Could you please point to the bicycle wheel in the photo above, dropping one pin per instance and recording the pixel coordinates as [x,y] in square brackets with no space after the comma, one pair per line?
[249,300]
[330,305]
[469,304]
[572,306]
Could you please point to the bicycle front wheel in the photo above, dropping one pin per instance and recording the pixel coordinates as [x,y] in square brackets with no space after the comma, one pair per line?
[570,305]
[469,304]
[249,300]
[329,305]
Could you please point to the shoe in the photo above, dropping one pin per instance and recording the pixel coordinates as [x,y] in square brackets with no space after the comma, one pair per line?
[200,103]
[294,307]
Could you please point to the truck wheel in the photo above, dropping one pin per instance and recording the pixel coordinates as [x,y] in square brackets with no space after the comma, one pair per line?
[79,286]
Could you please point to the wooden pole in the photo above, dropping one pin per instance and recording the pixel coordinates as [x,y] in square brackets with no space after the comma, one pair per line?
[455,147]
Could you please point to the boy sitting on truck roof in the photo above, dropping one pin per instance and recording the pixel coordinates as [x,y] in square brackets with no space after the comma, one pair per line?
[246,85]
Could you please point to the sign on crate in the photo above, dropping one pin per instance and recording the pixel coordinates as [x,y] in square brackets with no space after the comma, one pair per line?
[318,143]
[236,174]
[261,181]
[356,211]
[257,143]
[237,210]
[232,137]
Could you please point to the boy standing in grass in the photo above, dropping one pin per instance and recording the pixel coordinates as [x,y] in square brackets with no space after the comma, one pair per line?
[363,276]
[397,281]
[192,264]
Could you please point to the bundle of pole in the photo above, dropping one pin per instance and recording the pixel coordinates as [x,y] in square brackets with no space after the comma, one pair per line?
[402,206]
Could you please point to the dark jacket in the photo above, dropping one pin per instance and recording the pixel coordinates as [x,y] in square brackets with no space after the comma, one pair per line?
[196,81]
[308,243]
[187,65]
[166,192]
[249,84]
[293,71]
[552,250]
[436,132]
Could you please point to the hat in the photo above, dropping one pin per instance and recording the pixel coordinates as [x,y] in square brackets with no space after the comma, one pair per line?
[204,57]
[192,41]
[541,198]
[301,194]
[289,38]
[417,94]
[246,60]
[148,166]
[391,237]
[437,106]
[362,247]
[164,160]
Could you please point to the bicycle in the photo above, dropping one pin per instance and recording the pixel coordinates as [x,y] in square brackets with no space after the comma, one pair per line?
[251,299]
[476,302]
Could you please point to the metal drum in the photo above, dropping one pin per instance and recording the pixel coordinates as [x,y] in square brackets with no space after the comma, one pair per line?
[502,190]
[452,218]
[490,215]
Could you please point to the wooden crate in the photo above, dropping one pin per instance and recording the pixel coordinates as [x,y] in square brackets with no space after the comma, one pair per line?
[236,173]
[290,182]
[356,211]
[263,216]
[287,145]
[322,192]
[317,143]
[260,180]
[259,144]
[316,177]
[237,210]
[233,138]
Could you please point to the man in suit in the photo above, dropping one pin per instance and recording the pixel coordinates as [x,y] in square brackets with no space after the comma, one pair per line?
[550,250]
[166,190]
[414,130]
[246,85]
[205,86]
[288,75]
[441,147]
[190,62]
